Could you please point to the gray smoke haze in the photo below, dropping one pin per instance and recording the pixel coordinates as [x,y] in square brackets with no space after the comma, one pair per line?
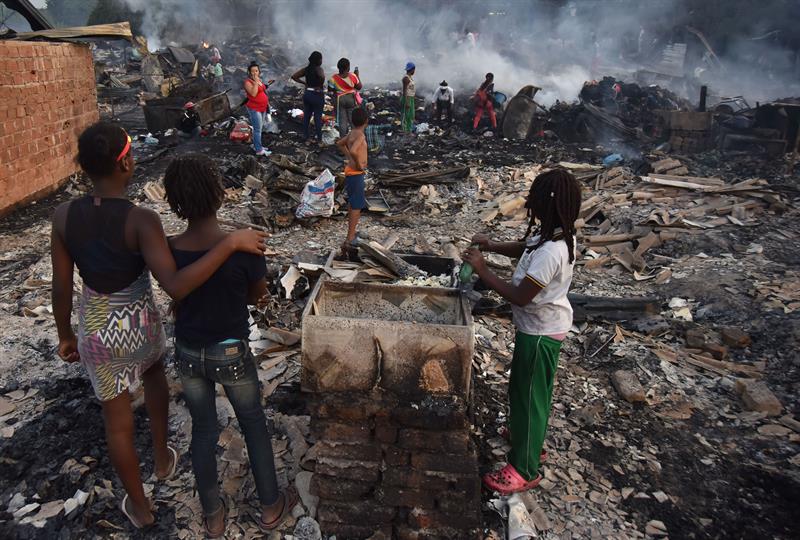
[553,44]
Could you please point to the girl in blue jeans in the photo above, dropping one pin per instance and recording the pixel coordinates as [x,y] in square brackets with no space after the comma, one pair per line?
[211,331]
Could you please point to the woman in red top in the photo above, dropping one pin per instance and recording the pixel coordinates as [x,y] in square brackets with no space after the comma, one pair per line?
[257,105]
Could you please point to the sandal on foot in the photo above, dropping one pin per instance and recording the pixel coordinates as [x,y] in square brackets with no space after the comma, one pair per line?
[124,508]
[290,500]
[172,469]
[505,433]
[224,509]
[507,480]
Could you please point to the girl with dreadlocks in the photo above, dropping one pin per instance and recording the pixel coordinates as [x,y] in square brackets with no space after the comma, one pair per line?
[211,347]
[542,314]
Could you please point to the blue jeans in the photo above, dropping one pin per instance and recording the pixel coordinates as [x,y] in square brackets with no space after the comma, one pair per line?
[258,120]
[232,365]
[313,102]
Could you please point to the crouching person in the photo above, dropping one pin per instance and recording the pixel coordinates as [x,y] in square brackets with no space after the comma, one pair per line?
[211,346]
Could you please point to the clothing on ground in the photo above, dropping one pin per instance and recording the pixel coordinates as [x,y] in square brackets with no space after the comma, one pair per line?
[376,136]
[120,336]
[548,266]
[217,309]
[232,365]
[530,393]
[354,187]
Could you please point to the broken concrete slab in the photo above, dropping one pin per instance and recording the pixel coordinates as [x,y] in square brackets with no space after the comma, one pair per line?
[756,396]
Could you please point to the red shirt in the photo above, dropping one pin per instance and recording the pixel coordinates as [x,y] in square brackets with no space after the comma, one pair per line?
[260,103]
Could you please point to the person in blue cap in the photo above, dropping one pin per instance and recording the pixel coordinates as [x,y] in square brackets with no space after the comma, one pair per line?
[408,105]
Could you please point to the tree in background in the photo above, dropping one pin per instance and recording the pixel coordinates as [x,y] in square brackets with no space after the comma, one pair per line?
[111,11]
[68,12]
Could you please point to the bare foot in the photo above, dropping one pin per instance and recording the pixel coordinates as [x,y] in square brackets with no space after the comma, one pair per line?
[142,516]
[215,522]
[163,469]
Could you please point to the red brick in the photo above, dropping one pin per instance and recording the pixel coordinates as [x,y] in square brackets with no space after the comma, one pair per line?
[468,518]
[332,431]
[386,434]
[456,463]
[339,489]
[355,452]
[452,442]
[396,456]
[366,512]
[361,471]
[409,498]
[412,478]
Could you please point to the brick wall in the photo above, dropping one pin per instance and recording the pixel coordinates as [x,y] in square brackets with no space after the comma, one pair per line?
[47,97]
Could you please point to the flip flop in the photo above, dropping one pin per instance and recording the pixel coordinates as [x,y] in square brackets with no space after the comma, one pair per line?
[507,480]
[224,509]
[505,433]
[290,500]
[123,507]
[171,473]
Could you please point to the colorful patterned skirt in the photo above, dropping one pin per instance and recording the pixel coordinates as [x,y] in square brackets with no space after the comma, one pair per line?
[120,336]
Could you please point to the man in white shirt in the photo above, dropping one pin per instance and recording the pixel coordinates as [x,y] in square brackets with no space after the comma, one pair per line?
[443,100]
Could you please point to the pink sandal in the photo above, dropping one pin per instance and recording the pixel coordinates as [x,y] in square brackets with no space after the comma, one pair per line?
[507,480]
[505,433]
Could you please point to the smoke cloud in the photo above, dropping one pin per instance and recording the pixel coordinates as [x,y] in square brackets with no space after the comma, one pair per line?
[553,44]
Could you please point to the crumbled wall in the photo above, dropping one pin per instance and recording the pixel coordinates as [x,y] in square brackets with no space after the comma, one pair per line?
[47,97]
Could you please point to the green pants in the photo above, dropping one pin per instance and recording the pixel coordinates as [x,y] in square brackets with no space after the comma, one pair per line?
[530,393]
[408,109]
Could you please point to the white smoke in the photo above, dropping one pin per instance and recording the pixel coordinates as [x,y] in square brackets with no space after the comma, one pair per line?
[556,46]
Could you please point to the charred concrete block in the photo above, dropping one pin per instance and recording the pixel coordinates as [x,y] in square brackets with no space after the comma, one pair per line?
[409,341]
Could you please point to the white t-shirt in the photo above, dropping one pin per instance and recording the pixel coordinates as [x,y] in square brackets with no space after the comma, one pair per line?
[549,313]
[444,93]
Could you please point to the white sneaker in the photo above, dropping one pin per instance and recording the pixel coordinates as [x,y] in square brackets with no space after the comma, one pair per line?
[264,152]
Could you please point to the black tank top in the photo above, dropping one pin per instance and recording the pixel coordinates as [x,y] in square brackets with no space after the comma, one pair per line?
[313,79]
[95,238]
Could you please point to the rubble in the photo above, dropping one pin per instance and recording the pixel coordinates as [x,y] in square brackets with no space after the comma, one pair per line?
[685,294]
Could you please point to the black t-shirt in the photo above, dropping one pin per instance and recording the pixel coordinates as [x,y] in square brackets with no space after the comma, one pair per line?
[217,310]
[189,121]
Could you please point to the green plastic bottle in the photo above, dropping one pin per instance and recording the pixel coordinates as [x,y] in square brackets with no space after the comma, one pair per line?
[466,271]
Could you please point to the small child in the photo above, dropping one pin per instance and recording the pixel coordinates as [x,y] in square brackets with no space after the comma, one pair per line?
[211,331]
[542,315]
[121,340]
[354,147]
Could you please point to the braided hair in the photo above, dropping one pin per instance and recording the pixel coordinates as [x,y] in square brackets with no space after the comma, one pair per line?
[193,185]
[98,148]
[555,200]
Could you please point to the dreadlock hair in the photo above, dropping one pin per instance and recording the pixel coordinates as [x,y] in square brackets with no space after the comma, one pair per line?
[193,185]
[98,148]
[555,200]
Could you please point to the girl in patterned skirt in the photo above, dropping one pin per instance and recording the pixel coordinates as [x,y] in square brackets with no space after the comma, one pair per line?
[120,338]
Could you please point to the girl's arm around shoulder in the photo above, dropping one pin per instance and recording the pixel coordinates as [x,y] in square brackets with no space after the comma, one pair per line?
[152,243]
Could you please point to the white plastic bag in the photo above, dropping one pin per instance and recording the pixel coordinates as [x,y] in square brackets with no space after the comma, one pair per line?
[317,197]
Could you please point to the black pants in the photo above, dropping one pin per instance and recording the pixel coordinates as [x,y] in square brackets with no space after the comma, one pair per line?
[444,107]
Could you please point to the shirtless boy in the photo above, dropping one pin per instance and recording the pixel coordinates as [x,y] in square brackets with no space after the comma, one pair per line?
[354,147]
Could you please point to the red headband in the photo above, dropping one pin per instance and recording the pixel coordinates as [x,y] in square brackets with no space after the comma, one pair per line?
[126,148]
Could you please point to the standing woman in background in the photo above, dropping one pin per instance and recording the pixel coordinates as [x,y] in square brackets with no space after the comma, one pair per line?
[408,105]
[313,78]
[257,105]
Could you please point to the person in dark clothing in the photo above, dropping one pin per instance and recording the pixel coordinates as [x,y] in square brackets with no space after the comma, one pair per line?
[211,345]
[313,78]
[121,341]
[189,125]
